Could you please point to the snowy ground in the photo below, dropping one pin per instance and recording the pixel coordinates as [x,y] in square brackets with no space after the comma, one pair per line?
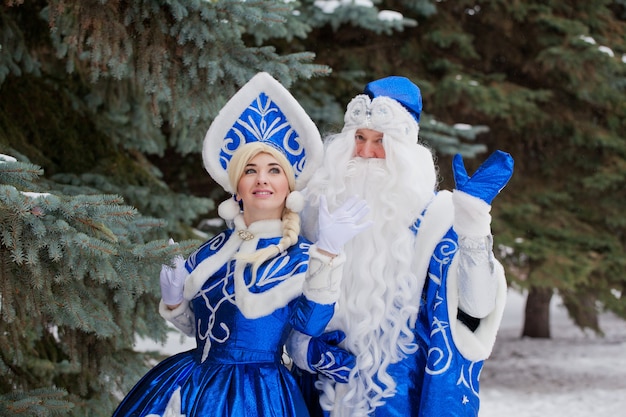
[573,374]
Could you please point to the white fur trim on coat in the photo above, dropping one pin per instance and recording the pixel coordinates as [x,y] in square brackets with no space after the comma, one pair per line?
[476,345]
[252,305]
[434,225]
[255,305]
[471,215]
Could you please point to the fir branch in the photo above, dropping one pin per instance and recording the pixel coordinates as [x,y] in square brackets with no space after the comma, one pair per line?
[42,402]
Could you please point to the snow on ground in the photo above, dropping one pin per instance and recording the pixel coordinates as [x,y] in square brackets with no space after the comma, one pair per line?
[573,374]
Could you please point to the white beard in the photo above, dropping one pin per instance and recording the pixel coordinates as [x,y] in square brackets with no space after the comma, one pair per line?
[380,294]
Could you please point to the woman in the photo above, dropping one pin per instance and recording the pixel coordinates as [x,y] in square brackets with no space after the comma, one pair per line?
[241,293]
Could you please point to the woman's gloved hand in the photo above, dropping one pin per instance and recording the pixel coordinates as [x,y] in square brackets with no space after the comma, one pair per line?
[173,281]
[338,227]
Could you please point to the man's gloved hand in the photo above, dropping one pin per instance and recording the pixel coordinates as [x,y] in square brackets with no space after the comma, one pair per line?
[488,180]
[338,227]
[327,358]
[173,281]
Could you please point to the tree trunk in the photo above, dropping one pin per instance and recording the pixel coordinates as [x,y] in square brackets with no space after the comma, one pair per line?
[537,313]
[581,307]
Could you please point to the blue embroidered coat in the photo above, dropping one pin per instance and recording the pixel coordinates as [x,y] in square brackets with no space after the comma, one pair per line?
[240,323]
[441,379]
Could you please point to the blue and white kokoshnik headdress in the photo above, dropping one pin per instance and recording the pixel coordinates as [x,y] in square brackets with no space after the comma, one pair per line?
[263,110]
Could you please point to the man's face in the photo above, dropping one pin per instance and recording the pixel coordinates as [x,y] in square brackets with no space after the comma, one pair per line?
[369,144]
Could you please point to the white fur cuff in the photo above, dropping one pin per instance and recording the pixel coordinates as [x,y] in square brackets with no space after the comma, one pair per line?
[298,349]
[471,215]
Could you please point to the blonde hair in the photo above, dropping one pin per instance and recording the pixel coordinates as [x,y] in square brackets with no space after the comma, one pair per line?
[290,219]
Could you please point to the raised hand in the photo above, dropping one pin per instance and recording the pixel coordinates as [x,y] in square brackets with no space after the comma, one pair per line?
[488,180]
[338,227]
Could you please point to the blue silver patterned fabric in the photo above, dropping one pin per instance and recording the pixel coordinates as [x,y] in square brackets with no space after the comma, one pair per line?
[437,380]
[263,110]
[236,368]
[263,121]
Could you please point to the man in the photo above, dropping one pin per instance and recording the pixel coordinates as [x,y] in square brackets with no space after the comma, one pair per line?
[422,295]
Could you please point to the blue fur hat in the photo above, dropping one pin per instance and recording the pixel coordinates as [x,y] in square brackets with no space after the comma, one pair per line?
[400,89]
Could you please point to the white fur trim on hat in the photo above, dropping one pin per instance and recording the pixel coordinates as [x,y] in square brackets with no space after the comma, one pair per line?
[295,201]
[228,209]
[382,114]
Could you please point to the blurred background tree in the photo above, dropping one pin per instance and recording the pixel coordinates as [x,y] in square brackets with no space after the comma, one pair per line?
[104,106]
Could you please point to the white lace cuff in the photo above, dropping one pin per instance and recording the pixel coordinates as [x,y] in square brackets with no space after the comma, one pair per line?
[182,317]
[323,279]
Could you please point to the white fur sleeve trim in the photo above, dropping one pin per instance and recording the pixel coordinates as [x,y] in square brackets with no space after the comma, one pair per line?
[434,225]
[476,345]
[182,317]
[298,349]
[323,279]
[471,215]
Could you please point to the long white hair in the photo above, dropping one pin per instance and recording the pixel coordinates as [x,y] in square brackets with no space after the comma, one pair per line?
[380,294]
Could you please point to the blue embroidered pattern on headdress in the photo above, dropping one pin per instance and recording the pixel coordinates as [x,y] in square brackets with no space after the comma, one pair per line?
[263,110]
[263,121]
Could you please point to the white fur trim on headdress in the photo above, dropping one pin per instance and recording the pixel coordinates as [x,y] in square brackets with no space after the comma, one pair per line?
[228,209]
[295,201]
[382,114]
[263,110]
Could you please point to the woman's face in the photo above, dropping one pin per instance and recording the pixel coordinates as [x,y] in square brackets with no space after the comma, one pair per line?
[263,188]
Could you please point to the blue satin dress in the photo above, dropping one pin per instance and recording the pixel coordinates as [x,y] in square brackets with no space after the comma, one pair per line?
[236,368]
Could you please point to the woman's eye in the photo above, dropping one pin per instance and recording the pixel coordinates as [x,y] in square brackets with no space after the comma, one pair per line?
[275,170]
[249,171]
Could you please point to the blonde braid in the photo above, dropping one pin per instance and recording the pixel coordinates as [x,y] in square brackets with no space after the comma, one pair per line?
[291,231]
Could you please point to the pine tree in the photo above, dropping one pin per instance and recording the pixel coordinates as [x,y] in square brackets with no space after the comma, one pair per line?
[97,97]
[77,283]
[544,81]
[362,41]
[548,78]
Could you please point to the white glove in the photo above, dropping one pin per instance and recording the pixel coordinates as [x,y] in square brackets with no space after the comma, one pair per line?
[339,227]
[173,281]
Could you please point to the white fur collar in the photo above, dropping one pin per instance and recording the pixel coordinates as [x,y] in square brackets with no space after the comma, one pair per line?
[433,226]
[245,240]
[205,269]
